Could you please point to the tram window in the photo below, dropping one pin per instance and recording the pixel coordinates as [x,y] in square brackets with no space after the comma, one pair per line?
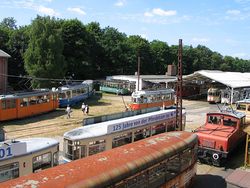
[74,93]
[8,104]
[157,175]
[241,107]
[122,140]
[33,100]
[248,108]
[9,171]
[157,129]
[96,147]
[62,95]
[173,166]
[68,94]
[186,159]
[42,162]
[141,134]
[24,102]
[56,158]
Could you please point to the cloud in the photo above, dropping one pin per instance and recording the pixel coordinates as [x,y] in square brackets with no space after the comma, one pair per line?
[77,10]
[120,3]
[34,5]
[239,55]
[160,12]
[201,40]
[47,11]
[233,12]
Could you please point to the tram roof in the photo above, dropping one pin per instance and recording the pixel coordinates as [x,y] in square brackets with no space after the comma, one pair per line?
[73,86]
[150,92]
[231,79]
[27,94]
[100,129]
[32,145]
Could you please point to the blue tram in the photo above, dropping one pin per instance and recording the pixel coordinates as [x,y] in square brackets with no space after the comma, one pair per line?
[74,93]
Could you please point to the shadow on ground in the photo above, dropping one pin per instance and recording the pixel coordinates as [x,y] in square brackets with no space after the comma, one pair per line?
[209,181]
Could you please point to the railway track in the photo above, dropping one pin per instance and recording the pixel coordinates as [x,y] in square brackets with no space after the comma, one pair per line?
[42,129]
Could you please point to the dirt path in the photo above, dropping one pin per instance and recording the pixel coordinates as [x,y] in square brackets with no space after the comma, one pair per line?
[55,123]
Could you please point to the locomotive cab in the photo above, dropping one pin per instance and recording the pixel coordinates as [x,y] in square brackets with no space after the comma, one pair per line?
[217,138]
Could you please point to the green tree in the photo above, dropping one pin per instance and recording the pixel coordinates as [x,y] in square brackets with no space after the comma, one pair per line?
[44,58]
[76,49]
[160,55]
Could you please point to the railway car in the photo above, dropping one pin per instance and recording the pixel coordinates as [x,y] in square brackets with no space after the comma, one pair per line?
[74,93]
[25,156]
[115,86]
[152,98]
[166,160]
[96,138]
[214,95]
[220,135]
[25,104]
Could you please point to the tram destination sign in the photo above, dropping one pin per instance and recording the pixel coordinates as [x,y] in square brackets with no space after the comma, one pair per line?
[130,124]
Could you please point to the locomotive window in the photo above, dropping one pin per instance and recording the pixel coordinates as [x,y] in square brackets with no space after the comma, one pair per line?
[229,122]
[9,171]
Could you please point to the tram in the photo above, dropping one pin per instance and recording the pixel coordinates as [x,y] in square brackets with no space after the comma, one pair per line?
[166,160]
[20,105]
[25,156]
[148,99]
[88,140]
[214,95]
[116,87]
[74,93]
[226,96]
[244,107]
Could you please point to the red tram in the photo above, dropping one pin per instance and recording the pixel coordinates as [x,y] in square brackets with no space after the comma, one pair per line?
[222,132]
[26,104]
[165,160]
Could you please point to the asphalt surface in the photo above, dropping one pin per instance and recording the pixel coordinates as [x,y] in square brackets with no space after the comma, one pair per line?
[210,176]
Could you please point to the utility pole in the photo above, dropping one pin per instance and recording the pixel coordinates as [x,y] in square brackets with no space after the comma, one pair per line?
[138,71]
[179,89]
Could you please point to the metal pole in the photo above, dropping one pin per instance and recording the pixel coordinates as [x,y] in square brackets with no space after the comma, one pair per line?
[179,89]
[138,72]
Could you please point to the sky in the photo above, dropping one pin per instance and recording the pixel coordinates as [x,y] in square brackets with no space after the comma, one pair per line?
[221,25]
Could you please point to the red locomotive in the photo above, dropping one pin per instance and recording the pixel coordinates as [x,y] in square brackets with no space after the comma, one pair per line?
[222,132]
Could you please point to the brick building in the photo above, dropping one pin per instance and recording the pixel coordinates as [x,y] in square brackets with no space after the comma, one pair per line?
[3,71]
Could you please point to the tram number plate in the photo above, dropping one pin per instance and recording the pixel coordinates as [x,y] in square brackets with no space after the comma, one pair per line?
[5,152]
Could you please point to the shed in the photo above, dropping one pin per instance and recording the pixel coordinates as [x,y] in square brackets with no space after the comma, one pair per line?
[231,80]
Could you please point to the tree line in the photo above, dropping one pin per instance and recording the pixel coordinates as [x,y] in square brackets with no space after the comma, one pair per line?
[59,48]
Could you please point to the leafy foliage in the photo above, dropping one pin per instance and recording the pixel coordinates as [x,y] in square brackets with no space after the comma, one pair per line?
[56,48]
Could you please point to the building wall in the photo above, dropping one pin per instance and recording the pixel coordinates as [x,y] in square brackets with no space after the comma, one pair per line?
[3,71]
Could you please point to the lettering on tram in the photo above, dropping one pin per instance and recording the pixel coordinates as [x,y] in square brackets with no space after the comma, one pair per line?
[95,138]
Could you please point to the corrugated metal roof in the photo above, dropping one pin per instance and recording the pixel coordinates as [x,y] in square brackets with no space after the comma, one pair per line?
[3,54]
[231,79]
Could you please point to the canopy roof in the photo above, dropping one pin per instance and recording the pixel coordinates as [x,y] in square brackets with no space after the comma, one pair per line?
[230,79]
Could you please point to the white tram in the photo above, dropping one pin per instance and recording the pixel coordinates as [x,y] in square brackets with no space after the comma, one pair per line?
[95,138]
[25,156]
